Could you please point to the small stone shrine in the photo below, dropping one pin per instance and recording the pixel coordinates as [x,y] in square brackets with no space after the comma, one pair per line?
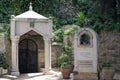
[85,51]
[25,49]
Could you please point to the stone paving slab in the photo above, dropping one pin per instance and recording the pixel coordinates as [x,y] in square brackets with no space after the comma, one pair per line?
[41,76]
[116,76]
[32,76]
[38,76]
[4,79]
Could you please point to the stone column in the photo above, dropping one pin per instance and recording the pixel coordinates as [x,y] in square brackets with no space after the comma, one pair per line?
[12,26]
[14,54]
[47,45]
[75,51]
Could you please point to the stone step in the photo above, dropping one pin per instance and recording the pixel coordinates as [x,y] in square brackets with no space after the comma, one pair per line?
[116,76]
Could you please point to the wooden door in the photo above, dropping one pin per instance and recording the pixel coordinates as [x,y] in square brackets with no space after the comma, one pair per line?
[27,56]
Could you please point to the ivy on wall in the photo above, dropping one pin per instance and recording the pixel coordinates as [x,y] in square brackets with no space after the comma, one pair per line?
[4,29]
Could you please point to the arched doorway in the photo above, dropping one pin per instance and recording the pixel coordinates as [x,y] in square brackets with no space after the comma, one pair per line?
[22,24]
[27,56]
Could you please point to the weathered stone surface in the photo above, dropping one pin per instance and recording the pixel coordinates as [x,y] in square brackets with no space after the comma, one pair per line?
[85,55]
[5,47]
[85,76]
[56,51]
[109,47]
[2,43]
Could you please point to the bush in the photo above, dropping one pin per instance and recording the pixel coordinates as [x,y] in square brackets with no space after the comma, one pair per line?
[63,58]
[107,63]
[3,62]
[58,36]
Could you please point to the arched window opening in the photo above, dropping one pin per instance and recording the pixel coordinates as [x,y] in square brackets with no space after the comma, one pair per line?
[85,39]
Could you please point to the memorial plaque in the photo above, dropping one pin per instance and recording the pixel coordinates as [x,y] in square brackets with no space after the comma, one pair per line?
[85,65]
[85,54]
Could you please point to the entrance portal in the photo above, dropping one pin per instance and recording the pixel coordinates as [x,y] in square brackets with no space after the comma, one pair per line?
[27,56]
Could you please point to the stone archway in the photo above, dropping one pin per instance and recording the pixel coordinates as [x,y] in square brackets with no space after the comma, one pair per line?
[22,24]
[28,56]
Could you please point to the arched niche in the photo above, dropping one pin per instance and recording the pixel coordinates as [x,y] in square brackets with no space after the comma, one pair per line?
[85,38]
[85,51]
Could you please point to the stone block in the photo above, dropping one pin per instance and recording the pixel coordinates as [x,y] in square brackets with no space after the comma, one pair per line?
[85,76]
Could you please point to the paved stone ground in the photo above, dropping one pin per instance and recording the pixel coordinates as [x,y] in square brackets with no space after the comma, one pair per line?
[41,76]
[117,76]
[32,76]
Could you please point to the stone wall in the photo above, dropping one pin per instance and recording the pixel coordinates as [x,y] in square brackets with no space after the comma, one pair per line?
[2,43]
[5,47]
[109,47]
[56,51]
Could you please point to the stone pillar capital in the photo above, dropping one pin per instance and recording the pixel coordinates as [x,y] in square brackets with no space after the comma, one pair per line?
[15,38]
[12,17]
[46,38]
[12,25]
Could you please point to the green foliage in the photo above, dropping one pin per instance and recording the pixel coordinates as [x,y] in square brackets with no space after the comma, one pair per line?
[5,29]
[59,32]
[71,30]
[59,22]
[5,11]
[10,7]
[80,19]
[97,14]
[58,36]
[3,62]
[63,58]
[56,24]
[67,48]
[107,63]
[65,64]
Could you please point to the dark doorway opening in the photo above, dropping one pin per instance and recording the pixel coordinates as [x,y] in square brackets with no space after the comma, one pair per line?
[28,56]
